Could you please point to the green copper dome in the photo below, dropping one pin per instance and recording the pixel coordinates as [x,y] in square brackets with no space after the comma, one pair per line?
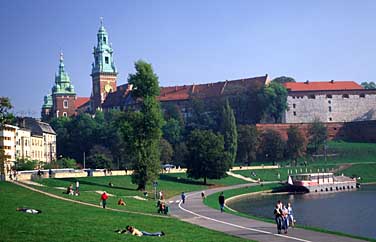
[103,60]
[62,81]
[47,102]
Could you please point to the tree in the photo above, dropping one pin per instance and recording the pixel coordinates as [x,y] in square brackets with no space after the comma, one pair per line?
[247,143]
[5,107]
[283,79]
[180,154]
[172,131]
[317,135]
[228,130]
[272,146]
[206,156]
[274,100]
[368,85]
[142,131]
[166,151]
[296,143]
[100,157]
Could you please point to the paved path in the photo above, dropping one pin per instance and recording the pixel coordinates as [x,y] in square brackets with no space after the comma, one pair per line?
[195,212]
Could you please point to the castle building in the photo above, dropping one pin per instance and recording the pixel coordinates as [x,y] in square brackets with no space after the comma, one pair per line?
[330,101]
[333,101]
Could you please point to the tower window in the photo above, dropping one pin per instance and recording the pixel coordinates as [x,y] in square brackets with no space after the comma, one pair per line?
[106,59]
[330,109]
[294,113]
[293,105]
[65,103]
[104,40]
[65,114]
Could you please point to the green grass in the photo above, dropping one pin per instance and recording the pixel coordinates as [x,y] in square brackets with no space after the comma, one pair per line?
[367,172]
[66,221]
[212,201]
[348,152]
[171,185]
[272,174]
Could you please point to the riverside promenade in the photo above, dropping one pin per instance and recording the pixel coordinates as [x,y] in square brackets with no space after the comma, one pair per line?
[195,212]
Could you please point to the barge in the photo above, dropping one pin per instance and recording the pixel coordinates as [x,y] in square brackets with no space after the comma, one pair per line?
[321,182]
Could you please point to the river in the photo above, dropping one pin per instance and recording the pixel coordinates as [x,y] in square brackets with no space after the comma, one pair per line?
[349,212]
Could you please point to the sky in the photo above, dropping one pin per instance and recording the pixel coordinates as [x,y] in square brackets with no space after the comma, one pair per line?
[186,42]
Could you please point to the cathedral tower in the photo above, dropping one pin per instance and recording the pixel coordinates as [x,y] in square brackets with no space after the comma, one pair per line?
[103,71]
[63,94]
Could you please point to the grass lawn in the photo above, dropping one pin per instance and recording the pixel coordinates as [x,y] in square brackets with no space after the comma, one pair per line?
[65,221]
[272,174]
[171,185]
[367,172]
[348,152]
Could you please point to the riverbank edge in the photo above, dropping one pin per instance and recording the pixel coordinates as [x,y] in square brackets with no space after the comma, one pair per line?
[214,196]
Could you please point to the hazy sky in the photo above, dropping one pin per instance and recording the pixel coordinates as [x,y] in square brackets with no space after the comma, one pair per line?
[186,42]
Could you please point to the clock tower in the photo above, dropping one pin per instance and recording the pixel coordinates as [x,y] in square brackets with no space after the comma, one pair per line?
[103,71]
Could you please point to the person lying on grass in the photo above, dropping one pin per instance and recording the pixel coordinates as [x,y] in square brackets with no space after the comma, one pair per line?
[133,231]
[29,210]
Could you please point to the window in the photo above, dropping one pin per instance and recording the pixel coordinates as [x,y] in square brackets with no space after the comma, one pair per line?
[362,95]
[329,102]
[65,103]
[106,59]
[293,97]
[294,113]
[329,96]
[65,114]
[345,96]
[330,109]
[330,119]
[312,97]
[104,40]
[293,105]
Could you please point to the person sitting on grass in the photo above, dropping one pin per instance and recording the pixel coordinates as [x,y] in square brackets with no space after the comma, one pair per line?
[110,184]
[133,231]
[29,210]
[121,202]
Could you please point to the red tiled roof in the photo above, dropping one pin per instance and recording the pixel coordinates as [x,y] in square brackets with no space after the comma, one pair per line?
[321,86]
[210,89]
[80,101]
[115,99]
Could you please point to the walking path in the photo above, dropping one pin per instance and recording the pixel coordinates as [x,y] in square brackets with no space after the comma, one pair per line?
[241,177]
[195,212]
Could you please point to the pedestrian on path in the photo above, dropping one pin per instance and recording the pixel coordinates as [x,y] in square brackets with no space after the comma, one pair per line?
[77,188]
[183,197]
[103,200]
[278,217]
[221,200]
[203,196]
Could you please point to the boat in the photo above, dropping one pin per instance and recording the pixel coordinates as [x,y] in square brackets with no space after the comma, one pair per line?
[321,182]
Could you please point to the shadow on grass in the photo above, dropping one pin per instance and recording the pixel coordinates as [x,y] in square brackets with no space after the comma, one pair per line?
[182,180]
[73,180]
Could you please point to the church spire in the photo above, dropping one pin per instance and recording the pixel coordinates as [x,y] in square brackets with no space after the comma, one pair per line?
[103,60]
[62,80]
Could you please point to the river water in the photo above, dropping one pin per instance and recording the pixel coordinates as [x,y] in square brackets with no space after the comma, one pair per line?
[351,212]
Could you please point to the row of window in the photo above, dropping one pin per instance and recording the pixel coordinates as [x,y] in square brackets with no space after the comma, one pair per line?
[327,96]
[5,138]
[5,147]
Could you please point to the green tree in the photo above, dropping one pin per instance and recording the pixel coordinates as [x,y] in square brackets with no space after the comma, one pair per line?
[228,130]
[296,143]
[206,156]
[274,101]
[100,157]
[142,130]
[283,79]
[368,85]
[25,165]
[247,143]
[5,107]
[166,151]
[317,135]
[172,131]
[180,153]
[272,146]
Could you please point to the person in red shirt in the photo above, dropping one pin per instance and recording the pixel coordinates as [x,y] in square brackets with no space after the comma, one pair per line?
[104,198]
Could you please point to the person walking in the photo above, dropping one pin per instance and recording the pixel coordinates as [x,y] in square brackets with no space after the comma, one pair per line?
[183,197]
[203,196]
[290,215]
[77,188]
[103,200]
[278,217]
[221,200]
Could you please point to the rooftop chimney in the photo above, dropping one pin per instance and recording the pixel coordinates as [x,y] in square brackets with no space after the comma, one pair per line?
[331,81]
[306,82]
